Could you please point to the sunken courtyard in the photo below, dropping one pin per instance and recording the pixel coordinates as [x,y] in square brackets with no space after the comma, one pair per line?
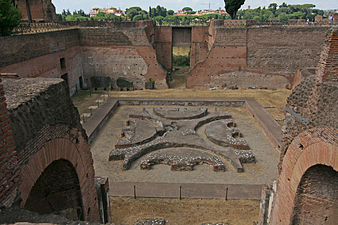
[97,125]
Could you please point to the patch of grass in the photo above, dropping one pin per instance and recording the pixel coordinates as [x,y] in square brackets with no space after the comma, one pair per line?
[275,98]
[186,211]
[85,98]
[181,50]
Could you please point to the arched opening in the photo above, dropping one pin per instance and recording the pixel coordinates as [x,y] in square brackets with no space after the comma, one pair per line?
[316,199]
[57,190]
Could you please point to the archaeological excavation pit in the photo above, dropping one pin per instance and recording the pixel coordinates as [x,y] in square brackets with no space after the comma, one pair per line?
[209,141]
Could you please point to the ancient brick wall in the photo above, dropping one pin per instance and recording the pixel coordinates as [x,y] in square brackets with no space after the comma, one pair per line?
[18,48]
[273,51]
[86,52]
[227,53]
[8,158]
[310,139]
[118,49]
[39,55]
[163,46]
[40,10]
[199,45]
[315,99]
[46,127]
[125,53]
[285,49]
[316,197]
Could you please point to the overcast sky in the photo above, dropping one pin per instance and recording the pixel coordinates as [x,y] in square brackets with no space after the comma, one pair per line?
[87,5]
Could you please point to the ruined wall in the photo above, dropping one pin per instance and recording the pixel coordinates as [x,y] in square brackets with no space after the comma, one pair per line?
[9,169]
[315,99]
[284,48]
[163,46]
[40,10]
[199,45]
[309,139]
[273,51]
[112,51]
[317,197]
[228,53]
[125,53]
[137,51]
[46,127]
[38,55]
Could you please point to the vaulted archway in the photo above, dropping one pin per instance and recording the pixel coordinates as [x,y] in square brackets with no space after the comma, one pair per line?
[57,190]
[308,150]
[316,199]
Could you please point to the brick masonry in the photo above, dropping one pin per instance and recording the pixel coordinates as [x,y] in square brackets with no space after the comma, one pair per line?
[274,51]
[40,10]
[310,139]
[47,129]
[8,157]
[138,51]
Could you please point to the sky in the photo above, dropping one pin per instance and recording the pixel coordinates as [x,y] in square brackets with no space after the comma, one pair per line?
[87,5]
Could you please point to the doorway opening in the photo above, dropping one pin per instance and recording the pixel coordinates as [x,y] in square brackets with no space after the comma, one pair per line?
[181,49]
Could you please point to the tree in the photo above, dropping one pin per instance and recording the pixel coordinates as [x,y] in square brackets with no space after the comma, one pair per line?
[273,8]
[232,6]
[187,9]
[10,17]
[170,12]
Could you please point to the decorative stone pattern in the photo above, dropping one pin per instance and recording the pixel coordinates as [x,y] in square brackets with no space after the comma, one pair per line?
[182,159]
[180,131]
[223,133]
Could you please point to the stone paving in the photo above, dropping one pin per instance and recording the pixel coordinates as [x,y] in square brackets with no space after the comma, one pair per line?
[262,172]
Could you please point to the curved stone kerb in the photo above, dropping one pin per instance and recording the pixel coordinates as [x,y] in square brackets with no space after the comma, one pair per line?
[78,154]
[308,149]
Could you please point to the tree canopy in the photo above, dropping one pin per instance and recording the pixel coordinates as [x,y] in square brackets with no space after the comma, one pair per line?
[162,16]
[232,6]
[10,17]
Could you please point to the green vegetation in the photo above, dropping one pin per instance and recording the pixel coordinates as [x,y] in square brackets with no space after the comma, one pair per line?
[10,17]
[181,56]
[181,60]
[232,6]
[284,12]
[162,16]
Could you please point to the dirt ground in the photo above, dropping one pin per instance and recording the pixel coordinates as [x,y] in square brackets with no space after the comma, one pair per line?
[179,77]
[273,100]
[184,212]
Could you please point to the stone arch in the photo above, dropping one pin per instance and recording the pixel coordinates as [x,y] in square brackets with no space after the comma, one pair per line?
[316,199]
[56,190]
[312,147]
[75,151]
